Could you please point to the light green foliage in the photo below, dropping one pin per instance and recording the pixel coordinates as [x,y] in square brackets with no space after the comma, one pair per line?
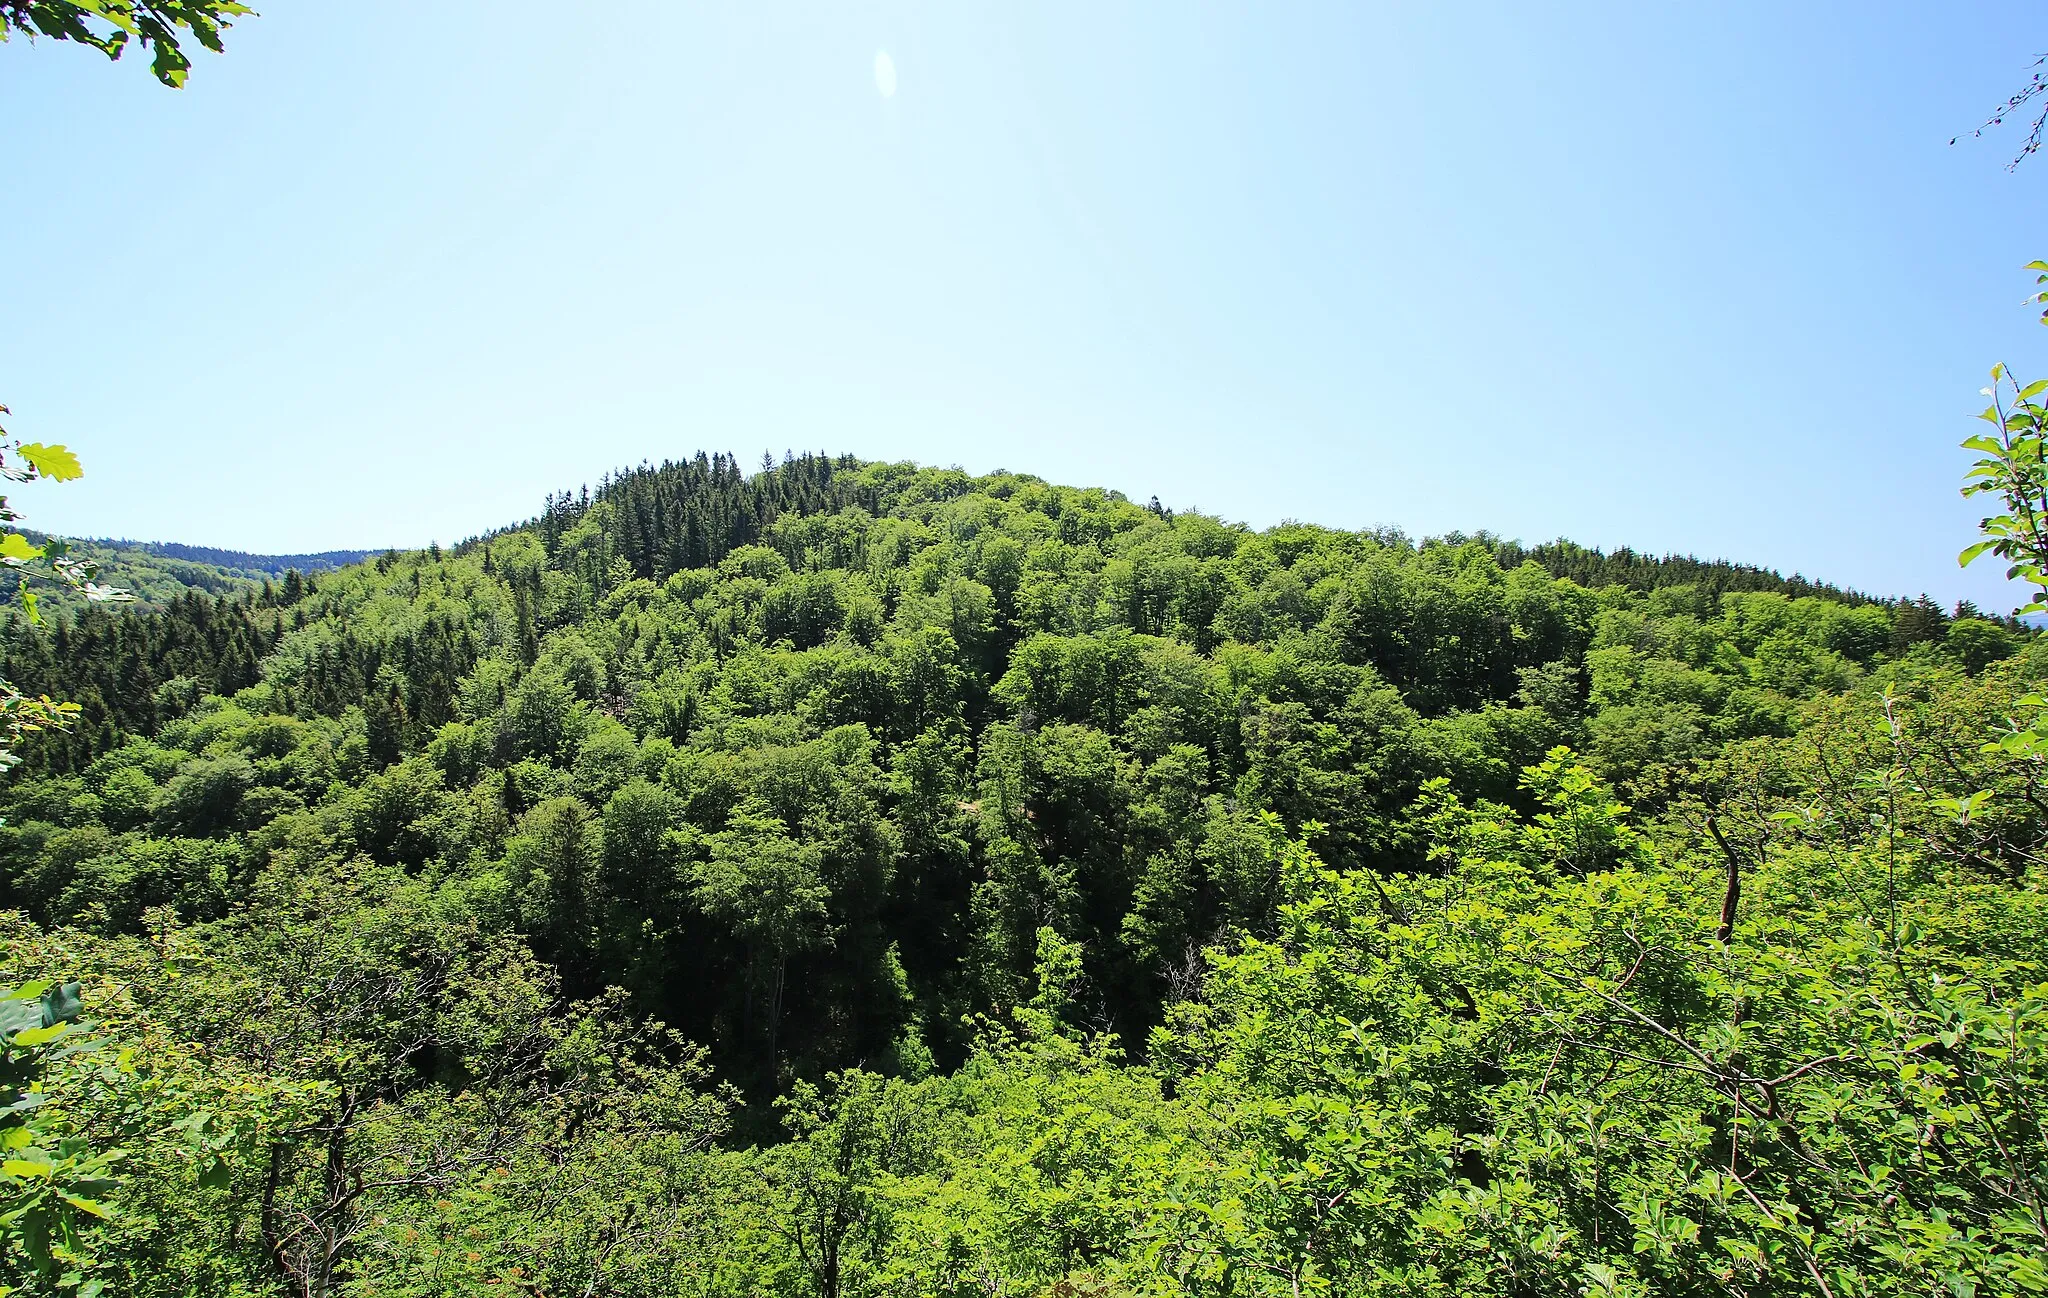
[48,1177]
[2014,469]
[1513,1075]
[161,26]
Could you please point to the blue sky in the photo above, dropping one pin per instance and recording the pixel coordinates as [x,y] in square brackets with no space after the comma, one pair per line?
[1704,279]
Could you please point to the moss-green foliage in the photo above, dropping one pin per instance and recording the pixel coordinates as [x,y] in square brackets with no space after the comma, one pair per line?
[1066,896]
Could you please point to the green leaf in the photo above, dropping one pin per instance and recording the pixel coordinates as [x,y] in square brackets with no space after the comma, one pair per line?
[116,14]
[63,1004]
[53,461]
[39,1036]
[1963,559]
[22,1168]
[15,547]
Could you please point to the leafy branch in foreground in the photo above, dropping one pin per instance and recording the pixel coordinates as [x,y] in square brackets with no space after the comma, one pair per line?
[162,26]
[33,462]
[48,1179]
[2014,467]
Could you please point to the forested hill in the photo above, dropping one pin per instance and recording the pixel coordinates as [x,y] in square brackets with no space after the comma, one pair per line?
[156,573]
[951,781]
[275,565]
[678,514]
[791,646]
[1145,569]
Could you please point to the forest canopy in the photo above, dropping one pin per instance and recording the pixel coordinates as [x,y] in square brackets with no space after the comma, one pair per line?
[857,878]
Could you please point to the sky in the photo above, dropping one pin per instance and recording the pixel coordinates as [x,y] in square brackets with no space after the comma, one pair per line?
[1704,279]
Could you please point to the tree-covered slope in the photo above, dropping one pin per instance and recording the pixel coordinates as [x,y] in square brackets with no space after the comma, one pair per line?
[159,573]
[949,710]
[951,781]
[272,565]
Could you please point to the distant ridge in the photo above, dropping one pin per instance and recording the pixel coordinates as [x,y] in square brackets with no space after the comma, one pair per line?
[324,561]
[1593,568]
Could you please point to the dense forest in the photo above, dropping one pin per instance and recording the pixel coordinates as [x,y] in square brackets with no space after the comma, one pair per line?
[858,880]
[854,878]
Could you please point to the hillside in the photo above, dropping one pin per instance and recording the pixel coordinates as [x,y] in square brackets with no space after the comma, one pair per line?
[159,572]
[274,565]
[915,799]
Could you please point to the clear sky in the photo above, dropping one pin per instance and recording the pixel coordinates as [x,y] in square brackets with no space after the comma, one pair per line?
[1695,278]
